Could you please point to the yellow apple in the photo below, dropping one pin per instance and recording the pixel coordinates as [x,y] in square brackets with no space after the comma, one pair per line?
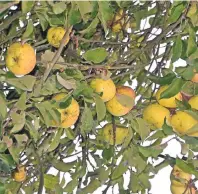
[55,35]
[167,102]
[155,114]
[194,102]
[115,107]
[179,177]
[182,122]
[181,189]
[19,175]
[120,134]
[20,58]
[106,87]
[69,115]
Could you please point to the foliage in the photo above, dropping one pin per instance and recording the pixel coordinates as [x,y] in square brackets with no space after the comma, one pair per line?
[138,52]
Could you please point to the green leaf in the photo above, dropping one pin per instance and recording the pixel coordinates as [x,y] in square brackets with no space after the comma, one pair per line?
[13,29]
[56,20]
[158,134]
[190,140]
[144,179]
[128,138]
[192,46]
[103,174]
[173,89]
[134,183]
[21,139]
[62,166]
[25,83]
[150,151]
[27,6]
[168,130]
[182,105]
[84,7]
[83,89]
[165,80]
[21,103]
[50,181]
[119,171]
[142,129]
[48,112]
[18,121]
[91,187]
[92,27]
[32,126]
[74,15]
[108,153]
[59,7]
[43,147]
[125,100]
[3,109]
[15,152]
[75,73]
[7,158]
[194,55]
[175,13]
[50,87]
[100,108]
[190,88]
[70,133]
[56,140]
[105,14]
[192,14]
[96,55]
[187,73]
[42,19]
[71,186]
[29,31]
[65,102]
[86,121]
[177,49]
[186,167]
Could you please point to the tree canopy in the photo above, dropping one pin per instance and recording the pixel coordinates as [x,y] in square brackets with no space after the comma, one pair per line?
[76,43]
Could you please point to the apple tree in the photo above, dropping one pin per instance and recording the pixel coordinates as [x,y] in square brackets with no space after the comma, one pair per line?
[102,97]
